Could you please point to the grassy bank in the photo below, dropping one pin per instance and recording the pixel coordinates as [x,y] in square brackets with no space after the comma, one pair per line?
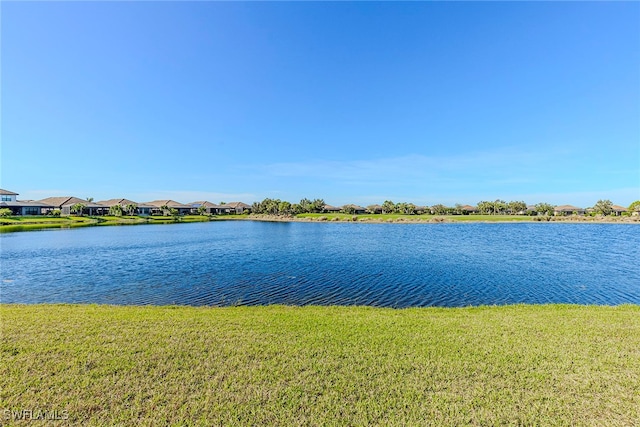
[27,223]
[531,365]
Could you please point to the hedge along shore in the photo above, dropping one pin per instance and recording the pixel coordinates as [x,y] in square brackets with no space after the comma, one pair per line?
[283,365]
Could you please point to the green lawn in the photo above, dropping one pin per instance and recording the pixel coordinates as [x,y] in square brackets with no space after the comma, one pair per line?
[26,223]
[278,365]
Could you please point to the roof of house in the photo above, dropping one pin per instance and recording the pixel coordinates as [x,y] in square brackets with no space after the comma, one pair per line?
[236,205]
[55,201]
[565,208]
[204,203]
[168,203]
[113,202]
[619,208]
[24,203]
[59,202]
[7,193]
[468,208]
[331,208]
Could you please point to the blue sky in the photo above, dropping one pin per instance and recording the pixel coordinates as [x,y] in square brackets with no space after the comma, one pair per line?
[354,102]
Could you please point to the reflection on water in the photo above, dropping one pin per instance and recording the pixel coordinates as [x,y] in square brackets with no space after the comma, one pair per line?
[391,265]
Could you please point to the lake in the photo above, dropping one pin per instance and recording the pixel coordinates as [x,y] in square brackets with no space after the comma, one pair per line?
[389,265]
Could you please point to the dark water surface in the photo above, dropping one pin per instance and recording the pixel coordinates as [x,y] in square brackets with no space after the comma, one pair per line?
[392,265]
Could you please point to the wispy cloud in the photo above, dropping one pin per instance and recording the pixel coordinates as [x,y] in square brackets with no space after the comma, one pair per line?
[509,165]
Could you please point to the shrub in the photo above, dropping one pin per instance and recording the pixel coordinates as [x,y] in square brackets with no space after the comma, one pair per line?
[4,212]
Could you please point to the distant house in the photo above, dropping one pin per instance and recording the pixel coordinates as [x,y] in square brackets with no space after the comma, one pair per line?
[618,210]
[330,209]
[157,206]
[565,210]
[21,207]
[374,209]
[141,208]
[65,203]
[358,210]
[468,209]
[421,210]
[210,208]
[7,196]
[235,207]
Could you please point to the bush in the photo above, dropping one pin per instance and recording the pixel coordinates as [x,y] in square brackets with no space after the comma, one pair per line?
[4,212]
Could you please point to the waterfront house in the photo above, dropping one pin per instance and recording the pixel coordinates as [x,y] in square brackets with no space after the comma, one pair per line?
[565,210]
[468,209]
[210,208]
[21,207]
[235,207]
[330,209]
[158,205]
[141,208]
[65,203]
[355,209]
[618,210]
[374,209]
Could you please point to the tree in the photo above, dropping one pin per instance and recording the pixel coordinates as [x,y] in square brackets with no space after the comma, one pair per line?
[115,210]
[317,205]
[634,207]
[89,199]
[78,208]
[202,210]
[349,209]
[131,208]
[306,206]
[284,208]
[544,209]
[400,208]
[515,207]
[165,210]
[439,209]
[603,207]
[388,207]
[485,207]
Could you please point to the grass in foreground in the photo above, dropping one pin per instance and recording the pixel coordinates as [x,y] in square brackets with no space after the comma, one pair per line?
[531,365]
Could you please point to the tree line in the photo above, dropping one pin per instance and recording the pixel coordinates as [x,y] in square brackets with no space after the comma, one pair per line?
[496,207]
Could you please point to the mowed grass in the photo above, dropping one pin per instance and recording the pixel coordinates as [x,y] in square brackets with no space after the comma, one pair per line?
[28,223]
[280,365]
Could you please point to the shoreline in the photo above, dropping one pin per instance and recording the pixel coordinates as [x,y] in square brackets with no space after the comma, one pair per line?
[16,224]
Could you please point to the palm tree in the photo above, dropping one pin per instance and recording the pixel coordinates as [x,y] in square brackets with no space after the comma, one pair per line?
[131,208]
[115,210]
[78,208]
[388,207]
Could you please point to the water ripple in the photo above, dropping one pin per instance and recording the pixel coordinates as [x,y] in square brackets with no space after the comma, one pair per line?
[251,263]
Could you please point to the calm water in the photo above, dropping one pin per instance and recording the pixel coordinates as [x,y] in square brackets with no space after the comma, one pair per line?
[394,265]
